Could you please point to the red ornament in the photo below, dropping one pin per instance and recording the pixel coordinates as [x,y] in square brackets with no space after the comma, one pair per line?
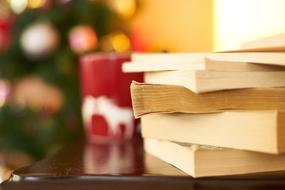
[5,33]
[83,39]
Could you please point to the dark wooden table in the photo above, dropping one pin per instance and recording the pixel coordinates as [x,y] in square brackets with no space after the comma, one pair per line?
[124,166]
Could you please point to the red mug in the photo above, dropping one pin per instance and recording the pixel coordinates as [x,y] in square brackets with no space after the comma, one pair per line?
[106,101]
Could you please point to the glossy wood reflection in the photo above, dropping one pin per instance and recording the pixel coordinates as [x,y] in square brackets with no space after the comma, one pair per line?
[99,159]
[124,166]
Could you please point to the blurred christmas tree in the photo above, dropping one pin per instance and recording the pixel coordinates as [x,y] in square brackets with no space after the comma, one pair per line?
[40,42]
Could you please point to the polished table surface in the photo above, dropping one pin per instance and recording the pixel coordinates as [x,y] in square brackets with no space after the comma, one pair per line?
[124,166]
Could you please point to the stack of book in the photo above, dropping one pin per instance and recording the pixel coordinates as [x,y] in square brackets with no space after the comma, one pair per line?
[212,114]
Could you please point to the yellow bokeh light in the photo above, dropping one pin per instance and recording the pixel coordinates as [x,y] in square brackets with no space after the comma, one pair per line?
[4,9]
[34,4]
[18,6]
[120,42]
[126,8]
[105,43]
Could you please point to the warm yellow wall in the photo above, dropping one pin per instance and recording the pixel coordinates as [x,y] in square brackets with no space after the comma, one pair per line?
[205,25]
[177,25]
[237,21]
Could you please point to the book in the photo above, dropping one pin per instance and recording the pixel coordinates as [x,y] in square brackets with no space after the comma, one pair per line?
[155,166]
[266,58]
[148,98]
[260,131]
[257,49]
[188,61]
[203,161]
[207,81]
[268,43]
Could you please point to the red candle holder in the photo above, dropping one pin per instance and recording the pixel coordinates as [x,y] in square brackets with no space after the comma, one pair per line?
[106,101]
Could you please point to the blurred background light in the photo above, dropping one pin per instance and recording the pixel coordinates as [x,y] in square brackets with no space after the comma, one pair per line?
[34,4]
[18,6]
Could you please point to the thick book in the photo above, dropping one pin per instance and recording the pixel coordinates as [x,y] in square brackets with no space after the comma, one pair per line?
[261,131]
[207,81]
[266,58]
[203,161]
[148,98]
[188,61]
